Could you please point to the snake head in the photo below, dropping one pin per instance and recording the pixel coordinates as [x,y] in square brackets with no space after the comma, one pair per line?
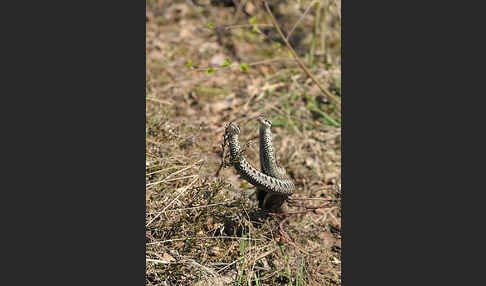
[264,121]
[232,129]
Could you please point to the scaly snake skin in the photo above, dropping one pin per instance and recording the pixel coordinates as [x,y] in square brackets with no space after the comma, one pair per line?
[267,155]
[269,165]
[260,180]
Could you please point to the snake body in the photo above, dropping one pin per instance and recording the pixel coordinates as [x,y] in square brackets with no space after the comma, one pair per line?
[262,181]
[269,165]
[267,154]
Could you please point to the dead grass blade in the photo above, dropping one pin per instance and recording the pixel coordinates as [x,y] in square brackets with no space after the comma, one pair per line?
[204,237]
[175,173]
[182,192]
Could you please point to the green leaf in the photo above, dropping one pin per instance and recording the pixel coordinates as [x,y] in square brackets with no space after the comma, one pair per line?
[210,70]
[189,64]
[244,67]
[227,63]
[210,25]
[252,20]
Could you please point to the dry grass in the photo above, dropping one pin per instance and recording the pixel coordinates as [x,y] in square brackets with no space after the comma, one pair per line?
[207,230]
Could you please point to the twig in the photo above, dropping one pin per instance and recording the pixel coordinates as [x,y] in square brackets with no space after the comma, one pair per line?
[157,261]
[158,171]
[203,237]
[253,261]
[270,61]
[181,178]
[246,26]
[172,174]
[317,199]
[300,19]
[299,61]
[223,146]
[200,207]
[286,237]
[238,9]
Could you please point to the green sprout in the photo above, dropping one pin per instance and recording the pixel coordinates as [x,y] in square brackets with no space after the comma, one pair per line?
[244,67]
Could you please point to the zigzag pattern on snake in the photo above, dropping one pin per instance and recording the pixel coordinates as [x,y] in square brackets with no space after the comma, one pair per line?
[260,180]
[269,166]
[267,154]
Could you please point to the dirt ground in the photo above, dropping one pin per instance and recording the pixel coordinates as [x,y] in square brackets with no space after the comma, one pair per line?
[208,65]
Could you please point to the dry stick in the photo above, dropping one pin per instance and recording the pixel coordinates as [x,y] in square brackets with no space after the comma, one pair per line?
[246,26]
[223,146]
[318,199]
[182,191]
[157,261]
[253,261]
[175,173]
[299,61]
[286,237]
[270,61]
[238,9]
[284,234]
[158,171]
[181,178]
[200,207]
[203,237]
[301,18]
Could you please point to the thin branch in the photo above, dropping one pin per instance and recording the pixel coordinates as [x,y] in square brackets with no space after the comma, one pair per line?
[301,18]
[204,237]
[181,178]
[246,26]
[157,261]
[238,9]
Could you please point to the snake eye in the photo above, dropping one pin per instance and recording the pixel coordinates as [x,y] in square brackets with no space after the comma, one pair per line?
[233,128]
[261,118]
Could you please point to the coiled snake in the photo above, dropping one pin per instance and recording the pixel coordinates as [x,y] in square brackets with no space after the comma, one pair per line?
[273,186]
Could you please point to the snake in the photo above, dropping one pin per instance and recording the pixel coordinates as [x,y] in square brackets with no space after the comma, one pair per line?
[267,155]
[268,163]
[264,182]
